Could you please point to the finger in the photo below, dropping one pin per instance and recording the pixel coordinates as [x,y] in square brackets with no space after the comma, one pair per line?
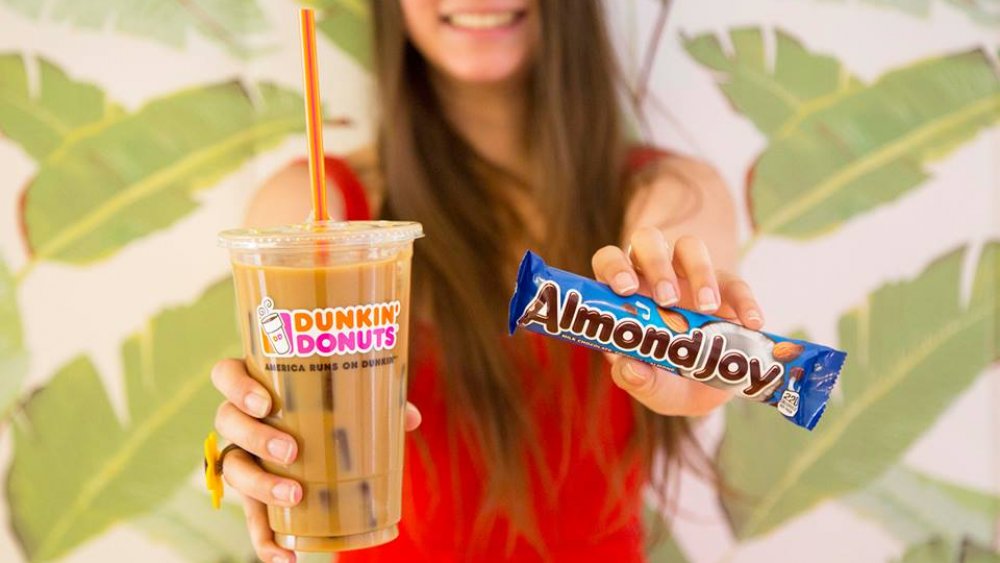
[613,268]
[412,418]
[254,436]
[736,293]
[638,378]
[230,377]
[652,254]
[261,536]
[664,392]
[243,474]
[693,262]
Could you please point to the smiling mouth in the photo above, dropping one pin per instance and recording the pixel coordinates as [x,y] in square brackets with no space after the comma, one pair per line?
[484,20]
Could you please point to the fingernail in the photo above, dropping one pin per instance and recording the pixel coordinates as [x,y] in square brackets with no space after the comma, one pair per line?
[279,559]
[625,282]
[635,376]
[280,449]
[285,491]
[665,293]
[256,404]
[754,315]
[707,300]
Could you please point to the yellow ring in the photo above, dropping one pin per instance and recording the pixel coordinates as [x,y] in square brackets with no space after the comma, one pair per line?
[213,467]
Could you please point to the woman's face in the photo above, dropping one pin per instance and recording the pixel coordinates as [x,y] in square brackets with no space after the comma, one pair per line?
[474,41]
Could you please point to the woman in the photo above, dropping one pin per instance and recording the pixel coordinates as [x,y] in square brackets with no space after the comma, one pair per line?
[500,131]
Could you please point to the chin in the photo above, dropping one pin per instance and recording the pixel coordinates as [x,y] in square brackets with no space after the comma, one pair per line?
[484,69]
[475,41]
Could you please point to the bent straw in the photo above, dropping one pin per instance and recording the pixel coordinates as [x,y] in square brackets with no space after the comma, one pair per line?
[314,115]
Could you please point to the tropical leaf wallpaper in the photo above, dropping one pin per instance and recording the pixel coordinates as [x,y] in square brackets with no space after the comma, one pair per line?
[838,147]
[859,138]
[232,24]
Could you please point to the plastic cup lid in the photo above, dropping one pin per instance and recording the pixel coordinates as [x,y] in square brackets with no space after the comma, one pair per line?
[326,233]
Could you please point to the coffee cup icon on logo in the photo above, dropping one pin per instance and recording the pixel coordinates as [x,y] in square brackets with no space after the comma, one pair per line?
[275,331]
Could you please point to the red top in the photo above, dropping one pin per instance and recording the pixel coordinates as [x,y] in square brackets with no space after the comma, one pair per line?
[441,487]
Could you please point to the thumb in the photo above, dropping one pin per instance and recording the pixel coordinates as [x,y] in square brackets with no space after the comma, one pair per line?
[639,379]
[412,417]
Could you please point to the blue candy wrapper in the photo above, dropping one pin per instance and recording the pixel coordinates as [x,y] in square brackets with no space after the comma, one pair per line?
[794,376]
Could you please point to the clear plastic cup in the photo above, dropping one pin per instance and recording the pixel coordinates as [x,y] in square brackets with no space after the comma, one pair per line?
[324,313]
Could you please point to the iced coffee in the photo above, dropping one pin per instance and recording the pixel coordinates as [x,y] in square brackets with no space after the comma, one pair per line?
[324,314]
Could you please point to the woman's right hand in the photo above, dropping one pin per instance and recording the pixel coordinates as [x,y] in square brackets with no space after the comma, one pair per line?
[237,421]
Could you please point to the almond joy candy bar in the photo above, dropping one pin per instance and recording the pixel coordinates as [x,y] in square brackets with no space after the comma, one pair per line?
[793,375]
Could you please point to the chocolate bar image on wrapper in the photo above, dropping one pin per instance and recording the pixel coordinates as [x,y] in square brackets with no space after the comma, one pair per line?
[793,375]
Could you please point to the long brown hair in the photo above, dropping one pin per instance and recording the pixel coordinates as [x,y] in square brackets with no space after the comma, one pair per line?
[434,176]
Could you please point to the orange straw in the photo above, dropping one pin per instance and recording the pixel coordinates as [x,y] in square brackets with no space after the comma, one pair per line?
[314,115]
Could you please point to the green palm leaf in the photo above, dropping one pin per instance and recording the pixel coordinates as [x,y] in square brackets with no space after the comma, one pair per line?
[912,348]
[230,23]
[78,469]
[983,12]
[13,356]
[109,184]
[661,545]
[841,148]
[943,550]
[937,550]
[191,527]
[871,147]
[916,508]
[975,553]
[40,120]
[915,7]
[347,24]
[775,99]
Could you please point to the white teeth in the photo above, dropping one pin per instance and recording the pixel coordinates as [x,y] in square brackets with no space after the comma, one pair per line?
[482,21]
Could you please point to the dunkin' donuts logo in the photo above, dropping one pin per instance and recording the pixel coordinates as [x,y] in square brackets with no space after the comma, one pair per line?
[327,332]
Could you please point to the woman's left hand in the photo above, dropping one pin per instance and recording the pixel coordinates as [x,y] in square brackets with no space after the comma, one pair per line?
[682,275]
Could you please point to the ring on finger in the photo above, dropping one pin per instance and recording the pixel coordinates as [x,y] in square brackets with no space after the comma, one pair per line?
[213,464]
[220,464]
